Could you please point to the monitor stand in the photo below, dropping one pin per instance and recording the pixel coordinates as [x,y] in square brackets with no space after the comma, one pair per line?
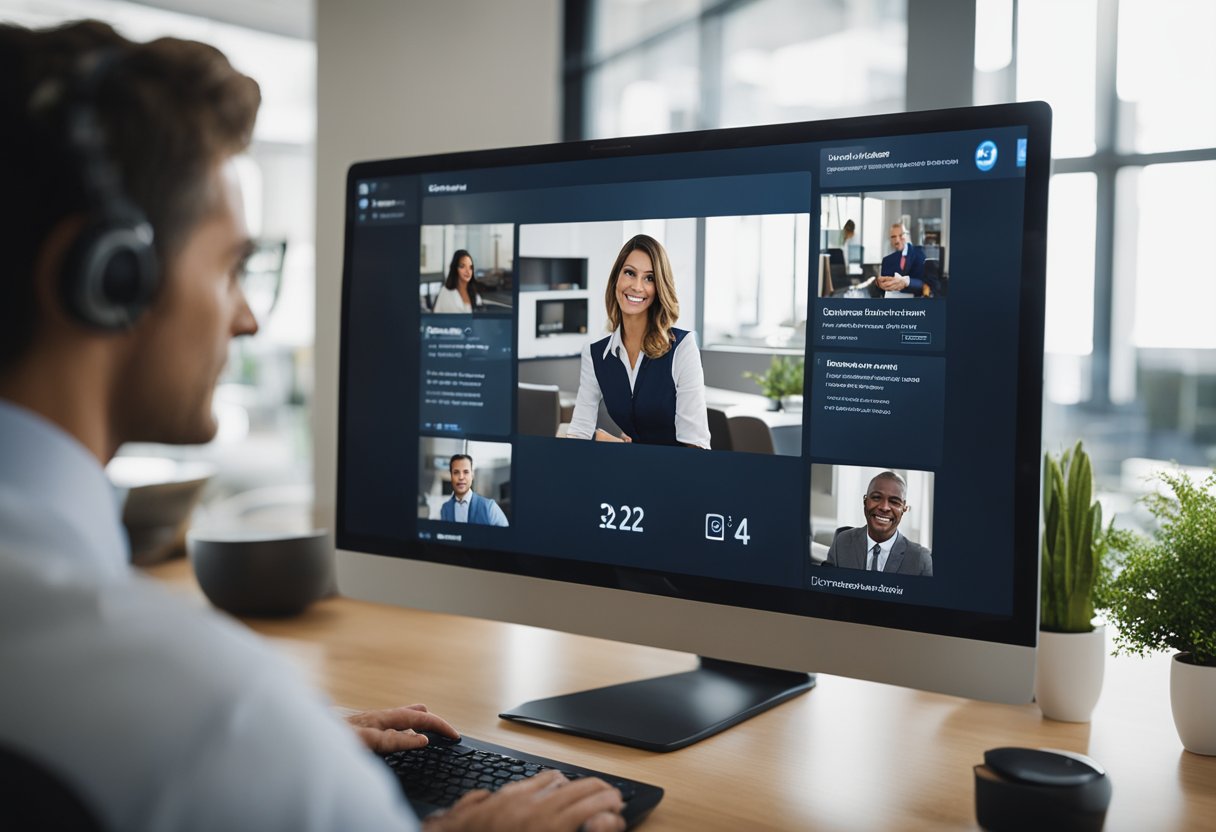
[667,712]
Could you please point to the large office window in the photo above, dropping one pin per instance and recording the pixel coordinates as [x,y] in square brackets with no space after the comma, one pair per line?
[651,66]
[1131,349]
[1130,342]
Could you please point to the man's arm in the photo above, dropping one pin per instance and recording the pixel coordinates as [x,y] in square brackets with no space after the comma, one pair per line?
[831,559]
[497,517]
[916,270]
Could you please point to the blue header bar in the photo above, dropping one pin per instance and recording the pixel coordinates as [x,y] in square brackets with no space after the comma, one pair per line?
[895,161]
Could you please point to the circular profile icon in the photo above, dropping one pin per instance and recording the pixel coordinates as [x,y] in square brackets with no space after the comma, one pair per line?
[985,156]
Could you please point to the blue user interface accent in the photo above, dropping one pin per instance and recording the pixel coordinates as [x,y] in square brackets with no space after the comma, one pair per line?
[985,156]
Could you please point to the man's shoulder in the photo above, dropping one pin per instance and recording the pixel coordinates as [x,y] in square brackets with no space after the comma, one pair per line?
[488,502]
[914,551]
[856,534]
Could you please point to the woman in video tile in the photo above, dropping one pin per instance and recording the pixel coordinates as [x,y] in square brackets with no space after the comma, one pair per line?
[647,372]
[461,291]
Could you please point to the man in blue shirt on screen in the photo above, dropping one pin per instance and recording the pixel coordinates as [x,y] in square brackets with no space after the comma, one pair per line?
[466,505]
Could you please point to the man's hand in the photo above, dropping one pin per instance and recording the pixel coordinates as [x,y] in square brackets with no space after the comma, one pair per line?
[894,282]
[547,802]
[394,729]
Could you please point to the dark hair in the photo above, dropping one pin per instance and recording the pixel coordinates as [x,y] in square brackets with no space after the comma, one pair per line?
[849,226]
[453,279]
[890,475]
[169,110]
[665,309]
[457,457]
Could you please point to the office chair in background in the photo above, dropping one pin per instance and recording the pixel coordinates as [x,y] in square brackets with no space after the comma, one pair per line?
[719,430]
[750,434]
[539,409]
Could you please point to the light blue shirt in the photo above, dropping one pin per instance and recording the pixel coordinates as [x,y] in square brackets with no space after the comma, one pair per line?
[461,507]
[159,713]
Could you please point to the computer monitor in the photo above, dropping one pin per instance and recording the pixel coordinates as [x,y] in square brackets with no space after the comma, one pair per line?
[742,556]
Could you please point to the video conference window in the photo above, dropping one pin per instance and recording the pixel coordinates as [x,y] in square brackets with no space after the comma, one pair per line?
[873,519]
[904,255]
[582,378]
[464,481]
[777,343]
[467,268]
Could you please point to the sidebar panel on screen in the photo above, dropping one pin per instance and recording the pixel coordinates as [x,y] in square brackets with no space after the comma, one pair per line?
[381,390]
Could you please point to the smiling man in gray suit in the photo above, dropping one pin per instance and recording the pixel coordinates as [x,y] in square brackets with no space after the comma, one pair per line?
[878,546]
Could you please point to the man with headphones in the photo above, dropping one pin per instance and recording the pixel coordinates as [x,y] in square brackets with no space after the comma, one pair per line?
[122,227]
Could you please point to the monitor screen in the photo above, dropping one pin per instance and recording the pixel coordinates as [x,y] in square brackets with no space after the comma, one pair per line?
[804,481]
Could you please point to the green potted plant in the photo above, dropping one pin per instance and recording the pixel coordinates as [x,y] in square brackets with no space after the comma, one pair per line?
[1072,651]
[1164,598]
[781,382]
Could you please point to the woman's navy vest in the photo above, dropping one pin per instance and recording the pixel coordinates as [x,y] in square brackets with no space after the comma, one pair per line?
[646,414]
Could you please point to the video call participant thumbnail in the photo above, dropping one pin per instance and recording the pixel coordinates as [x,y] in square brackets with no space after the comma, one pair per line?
[878,546]
[647,373]
[466,505]
[903,270]
[461,292]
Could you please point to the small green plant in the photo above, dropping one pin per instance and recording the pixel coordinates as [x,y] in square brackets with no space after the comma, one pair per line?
[1074,566]
[1164,598]
[783,377]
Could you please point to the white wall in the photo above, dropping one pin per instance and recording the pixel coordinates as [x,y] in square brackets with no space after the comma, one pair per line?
[411,78]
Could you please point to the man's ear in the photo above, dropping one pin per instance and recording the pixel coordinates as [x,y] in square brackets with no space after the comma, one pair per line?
[48,270]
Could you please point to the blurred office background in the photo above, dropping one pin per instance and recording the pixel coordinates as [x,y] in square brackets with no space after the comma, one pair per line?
[1131,330]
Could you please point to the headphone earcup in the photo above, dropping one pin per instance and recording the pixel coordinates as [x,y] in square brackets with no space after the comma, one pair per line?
[110,274]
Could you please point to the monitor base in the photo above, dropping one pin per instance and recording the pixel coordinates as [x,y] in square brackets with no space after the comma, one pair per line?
[667,712]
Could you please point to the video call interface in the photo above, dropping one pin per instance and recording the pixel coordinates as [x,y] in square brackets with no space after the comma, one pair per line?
[840,371]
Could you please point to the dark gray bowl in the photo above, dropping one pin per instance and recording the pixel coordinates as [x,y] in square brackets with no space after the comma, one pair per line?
[256,573]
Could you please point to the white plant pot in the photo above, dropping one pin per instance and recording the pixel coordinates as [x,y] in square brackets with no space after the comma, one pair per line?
[1193,701]
[1068,674]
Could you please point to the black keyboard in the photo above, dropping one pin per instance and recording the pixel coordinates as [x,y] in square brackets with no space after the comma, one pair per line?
[436,776]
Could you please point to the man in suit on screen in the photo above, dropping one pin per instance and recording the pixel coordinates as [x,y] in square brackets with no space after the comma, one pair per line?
[878,546]
[903,270]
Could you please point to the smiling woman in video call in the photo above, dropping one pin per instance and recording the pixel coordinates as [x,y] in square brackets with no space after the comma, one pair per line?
[647,372]
[460,292]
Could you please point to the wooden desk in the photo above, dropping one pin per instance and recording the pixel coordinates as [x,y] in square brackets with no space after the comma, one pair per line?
[849,755]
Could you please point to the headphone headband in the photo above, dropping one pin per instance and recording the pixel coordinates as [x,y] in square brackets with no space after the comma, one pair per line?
[111,272]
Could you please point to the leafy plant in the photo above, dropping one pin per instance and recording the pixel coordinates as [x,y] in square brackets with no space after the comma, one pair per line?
[1074,565]
[1164,598]
[783,377]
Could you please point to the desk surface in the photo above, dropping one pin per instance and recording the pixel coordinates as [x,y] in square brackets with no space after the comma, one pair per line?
[849,755]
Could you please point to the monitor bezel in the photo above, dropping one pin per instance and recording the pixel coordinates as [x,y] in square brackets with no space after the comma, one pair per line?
[1018,629]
